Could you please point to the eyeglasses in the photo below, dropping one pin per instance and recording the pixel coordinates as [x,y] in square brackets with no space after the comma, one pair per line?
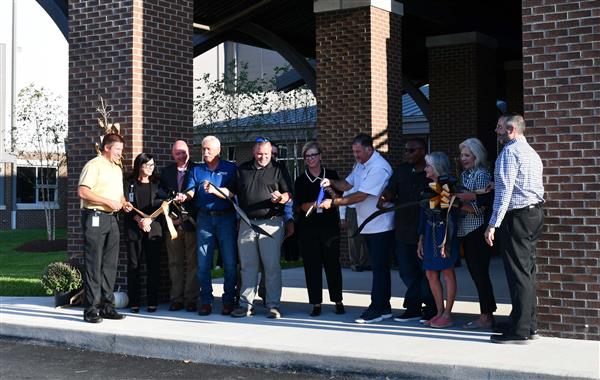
[262,139]
[307,156]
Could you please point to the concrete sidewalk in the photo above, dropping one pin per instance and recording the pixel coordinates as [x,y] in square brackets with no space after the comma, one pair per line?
[328,344]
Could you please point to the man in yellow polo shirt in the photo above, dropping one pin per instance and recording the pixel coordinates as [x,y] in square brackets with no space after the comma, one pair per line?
[101,192]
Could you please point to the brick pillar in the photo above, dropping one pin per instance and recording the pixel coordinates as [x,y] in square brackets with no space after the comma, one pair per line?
[462,91]
[138,55]
[561,75]
[359,81]
[359,78]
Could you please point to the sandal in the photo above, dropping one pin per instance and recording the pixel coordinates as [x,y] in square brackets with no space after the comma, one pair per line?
[441,322]
[430,321]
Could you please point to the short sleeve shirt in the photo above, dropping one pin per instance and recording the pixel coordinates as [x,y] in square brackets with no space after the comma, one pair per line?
[222,176]
[371,178]
[104,178]
[254,186]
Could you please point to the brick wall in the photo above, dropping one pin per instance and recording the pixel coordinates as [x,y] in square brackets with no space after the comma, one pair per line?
[462,96]
[137,55]
[358,82]
[561,80]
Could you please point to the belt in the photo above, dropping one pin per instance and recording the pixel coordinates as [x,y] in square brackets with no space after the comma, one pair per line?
[267,217]
[99,211]
[536,205]
[216,212]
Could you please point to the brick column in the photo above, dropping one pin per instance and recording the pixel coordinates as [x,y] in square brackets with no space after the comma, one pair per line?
[561,76]
[462,91]
[138,55]
[359,78]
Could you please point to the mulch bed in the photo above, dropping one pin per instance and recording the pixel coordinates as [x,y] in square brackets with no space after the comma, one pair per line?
[43,246]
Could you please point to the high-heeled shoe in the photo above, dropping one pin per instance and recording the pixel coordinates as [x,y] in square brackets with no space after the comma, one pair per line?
[339,308]
[316,311]
[135,309]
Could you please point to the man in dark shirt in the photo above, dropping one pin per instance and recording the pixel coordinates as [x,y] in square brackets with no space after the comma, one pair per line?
[262,190]
[406,185]
[181,251]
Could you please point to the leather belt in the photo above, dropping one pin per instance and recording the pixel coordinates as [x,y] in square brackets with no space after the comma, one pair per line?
[216,212]
[99,211]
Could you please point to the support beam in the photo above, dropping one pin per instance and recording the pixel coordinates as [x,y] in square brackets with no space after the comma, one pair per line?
[299,62]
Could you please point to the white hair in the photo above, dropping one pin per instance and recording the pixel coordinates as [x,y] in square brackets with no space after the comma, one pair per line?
[439,162]
[477,149]
[211,140]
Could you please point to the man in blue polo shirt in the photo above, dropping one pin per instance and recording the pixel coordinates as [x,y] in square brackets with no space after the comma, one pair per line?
[216,222]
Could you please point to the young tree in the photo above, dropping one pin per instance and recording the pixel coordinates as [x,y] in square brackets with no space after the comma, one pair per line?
[40,138]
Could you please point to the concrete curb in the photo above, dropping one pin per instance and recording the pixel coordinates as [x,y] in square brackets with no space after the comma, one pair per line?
[253,356]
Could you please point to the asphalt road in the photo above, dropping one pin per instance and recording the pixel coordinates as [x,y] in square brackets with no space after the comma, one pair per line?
[24,360]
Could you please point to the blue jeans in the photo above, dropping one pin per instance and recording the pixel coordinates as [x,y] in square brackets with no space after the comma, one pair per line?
[221,229]
[380,251]
[410,268]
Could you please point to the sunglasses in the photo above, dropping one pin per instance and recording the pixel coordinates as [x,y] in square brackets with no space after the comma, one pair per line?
[262,139]
[411,150]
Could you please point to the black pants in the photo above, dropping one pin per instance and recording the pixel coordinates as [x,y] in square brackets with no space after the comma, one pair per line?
[316,255]
[150,249]
[518,236]
[478,255]
[101,253]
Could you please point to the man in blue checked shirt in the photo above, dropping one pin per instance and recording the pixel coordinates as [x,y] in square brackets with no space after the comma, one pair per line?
[518,217]
[216,222]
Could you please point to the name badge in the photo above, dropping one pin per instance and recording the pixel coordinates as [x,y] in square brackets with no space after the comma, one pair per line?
[95,221]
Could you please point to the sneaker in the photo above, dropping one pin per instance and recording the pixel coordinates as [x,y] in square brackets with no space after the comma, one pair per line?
[274,313]
[369,316]
[242,311]
[408,315]
[92,316]
[111,313]
[387,313]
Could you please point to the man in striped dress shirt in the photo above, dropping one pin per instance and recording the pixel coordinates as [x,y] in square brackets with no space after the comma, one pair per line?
[518,217]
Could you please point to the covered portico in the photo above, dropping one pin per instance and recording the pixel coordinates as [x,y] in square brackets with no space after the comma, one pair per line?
[540,57]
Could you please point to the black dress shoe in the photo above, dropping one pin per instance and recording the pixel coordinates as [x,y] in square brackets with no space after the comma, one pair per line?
[504,328]
[92,316]
[111,313]
[339,308]
[175,306]
[509,339]
[316,311]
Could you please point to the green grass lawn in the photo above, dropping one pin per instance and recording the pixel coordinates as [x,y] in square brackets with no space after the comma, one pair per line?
[20,272]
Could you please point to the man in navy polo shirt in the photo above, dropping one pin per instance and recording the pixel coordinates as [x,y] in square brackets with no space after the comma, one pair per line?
[216,222]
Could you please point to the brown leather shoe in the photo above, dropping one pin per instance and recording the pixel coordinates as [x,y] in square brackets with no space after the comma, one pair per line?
[227,309]
[205,309]
[175,306]
[191,307]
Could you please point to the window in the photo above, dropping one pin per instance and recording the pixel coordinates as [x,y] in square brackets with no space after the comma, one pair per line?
[36,185]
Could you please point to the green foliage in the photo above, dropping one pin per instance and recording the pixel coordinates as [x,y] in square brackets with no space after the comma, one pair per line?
[61,277]
[234,96]
[20,271]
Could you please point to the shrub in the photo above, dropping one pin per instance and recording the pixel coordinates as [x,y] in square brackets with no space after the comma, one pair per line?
[61,277]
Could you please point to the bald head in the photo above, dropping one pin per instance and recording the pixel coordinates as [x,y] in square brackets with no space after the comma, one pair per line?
[180,153]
